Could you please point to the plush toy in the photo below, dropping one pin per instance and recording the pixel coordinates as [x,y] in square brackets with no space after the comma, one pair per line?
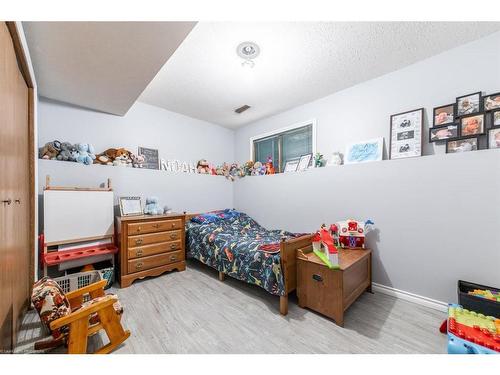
[319,161]
[137,160]
[66,152]
[50,151]
[106,157]
[258,169]
[270,166]
[203,167]
[85,153]
[248,167]
[152,206]
[336,159]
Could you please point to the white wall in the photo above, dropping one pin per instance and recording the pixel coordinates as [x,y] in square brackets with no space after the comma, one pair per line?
[362,112]
[436,217]
[175,136]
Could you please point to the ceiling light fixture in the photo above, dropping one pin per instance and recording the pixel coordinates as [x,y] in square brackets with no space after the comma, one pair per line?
[248,51]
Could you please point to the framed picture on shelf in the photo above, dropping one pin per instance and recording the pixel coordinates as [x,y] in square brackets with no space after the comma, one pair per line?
[494,137]
[304,162]
[462,145]
[444,115]
[130,206]
[291,165]
[443,133]
[406,134]
[468,104]
[492,102]
[495,118]
[364,151]
[151,157]
[472,125]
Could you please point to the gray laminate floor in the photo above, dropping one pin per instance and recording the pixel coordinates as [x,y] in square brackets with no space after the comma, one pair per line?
[193,312]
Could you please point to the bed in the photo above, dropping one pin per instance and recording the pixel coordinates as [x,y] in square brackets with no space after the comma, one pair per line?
[237,246]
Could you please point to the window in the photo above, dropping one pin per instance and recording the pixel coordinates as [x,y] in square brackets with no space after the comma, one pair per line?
[284,145]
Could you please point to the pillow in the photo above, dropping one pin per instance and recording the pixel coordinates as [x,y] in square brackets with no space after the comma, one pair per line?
[50,303]
[215,216]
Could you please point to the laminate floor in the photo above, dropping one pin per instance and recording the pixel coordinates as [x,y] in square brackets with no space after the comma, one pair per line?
[193,312]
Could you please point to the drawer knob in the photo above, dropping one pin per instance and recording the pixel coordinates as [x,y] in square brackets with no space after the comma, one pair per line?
[138,241]
[173,257]
[139,265]
[138,228]
[138,253]
[173,236]
[317,277]
[173,246]
[156,226]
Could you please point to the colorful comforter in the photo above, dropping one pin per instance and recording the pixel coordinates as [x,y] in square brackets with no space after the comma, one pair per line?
[236,246]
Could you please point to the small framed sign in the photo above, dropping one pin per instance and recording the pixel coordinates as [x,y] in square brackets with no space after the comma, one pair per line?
[130,206]
[152,160]
[304,162]
[291,165]
[406,134]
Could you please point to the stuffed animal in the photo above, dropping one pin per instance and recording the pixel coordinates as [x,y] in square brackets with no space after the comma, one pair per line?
[319,161]
[259,169]
[85,153]
[122,158]
[50,151]
[152,206]
[66,152]
[248,167]
[137,160]
[106,157]
[203,167]
[114,156]
[336,159]
[270,166]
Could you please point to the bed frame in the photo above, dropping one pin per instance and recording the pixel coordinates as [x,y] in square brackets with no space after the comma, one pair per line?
[288,251]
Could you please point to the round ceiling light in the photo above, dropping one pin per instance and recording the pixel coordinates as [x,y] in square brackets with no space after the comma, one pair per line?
[248,51]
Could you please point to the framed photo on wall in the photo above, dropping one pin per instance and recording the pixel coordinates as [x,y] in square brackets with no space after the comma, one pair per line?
[494,137]
[130,206]
[492,102]
[406,134]
[495,118]
[443,133]
[364,151]
[468,104]
[444,115]
[472,125]
[462,145]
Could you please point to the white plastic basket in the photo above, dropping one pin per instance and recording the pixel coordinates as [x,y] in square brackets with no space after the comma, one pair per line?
[79,280]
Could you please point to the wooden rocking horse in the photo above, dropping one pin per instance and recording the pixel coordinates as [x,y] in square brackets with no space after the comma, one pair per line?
[71,321]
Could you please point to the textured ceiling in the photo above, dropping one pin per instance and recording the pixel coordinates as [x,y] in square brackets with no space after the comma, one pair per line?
[299,62]
[100,65]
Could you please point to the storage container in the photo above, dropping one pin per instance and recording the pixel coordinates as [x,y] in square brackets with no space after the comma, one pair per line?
[475,303]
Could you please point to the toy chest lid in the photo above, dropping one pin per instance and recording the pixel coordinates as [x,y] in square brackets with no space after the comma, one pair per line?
[475,303]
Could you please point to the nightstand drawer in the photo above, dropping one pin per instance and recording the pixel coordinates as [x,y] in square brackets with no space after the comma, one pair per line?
[157,248]
[153,226]
[141,264]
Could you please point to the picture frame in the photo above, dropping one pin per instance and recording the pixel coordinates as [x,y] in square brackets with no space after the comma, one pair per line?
[130,206]
[464,144]
[151,156]
[495,118]
[443,115]
[291,165]
[491,102]
[364,151]
[468,104]
[472,125]
[493,137]
[406,134]
[443,133]
[304,162]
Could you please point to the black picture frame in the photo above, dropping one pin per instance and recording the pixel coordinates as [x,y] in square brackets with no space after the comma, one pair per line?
[309,156]
[497,128]
[454,110]
[484,102]
[483,132]
[479,109]
[437,128]
[461,139]
[493,113]
[151,156]
[420,125]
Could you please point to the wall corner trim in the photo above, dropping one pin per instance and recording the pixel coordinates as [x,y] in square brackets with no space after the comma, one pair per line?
[410,297]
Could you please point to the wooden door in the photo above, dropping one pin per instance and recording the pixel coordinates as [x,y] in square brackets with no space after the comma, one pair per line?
[15,251]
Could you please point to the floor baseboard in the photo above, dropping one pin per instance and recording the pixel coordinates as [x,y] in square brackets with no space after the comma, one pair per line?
[410,297]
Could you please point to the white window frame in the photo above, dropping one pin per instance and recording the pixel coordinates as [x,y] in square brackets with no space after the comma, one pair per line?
[287,128]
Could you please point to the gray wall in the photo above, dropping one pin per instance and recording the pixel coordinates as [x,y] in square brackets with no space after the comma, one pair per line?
[174,135]
[362,111]
[436,217]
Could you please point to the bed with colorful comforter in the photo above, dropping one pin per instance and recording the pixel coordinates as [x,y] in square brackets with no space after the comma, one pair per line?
[235,244]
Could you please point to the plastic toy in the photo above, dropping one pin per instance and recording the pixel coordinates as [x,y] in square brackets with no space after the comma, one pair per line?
[324,247]
[472,333]
[351,233]
[488,294]
[269,166]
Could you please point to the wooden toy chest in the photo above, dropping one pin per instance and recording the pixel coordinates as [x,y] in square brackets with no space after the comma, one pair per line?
[328,291]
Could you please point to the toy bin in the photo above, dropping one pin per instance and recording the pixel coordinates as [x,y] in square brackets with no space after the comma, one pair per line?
[475,303]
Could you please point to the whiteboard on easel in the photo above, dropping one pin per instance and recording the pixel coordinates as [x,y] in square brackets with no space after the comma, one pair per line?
[72,215]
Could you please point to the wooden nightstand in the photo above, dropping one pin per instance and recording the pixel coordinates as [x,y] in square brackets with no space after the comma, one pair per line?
[150,245]
[331,292]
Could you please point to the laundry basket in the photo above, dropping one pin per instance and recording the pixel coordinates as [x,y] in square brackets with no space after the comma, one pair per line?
[74,281]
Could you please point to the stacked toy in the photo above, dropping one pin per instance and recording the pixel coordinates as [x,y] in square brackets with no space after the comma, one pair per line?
[488,294]
[472,333]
